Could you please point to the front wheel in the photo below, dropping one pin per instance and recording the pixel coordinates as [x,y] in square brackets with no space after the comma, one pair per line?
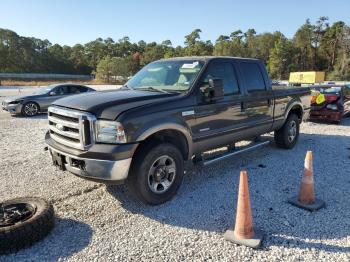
[288,134]
[30,109]
[157,173]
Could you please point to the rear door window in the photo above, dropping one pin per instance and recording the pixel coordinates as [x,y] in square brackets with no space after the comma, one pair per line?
[225,72]
[253,76]
[75,90]
[82,89]
[63,90]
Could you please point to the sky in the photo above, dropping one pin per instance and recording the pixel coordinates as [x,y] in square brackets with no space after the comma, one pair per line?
[68,22]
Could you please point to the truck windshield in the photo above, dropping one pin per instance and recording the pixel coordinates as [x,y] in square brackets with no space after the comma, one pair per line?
[166,76]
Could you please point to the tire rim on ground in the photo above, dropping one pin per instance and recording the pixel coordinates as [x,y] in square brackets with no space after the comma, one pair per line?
[12,214]
[161,174]
[31,109]
[292,131]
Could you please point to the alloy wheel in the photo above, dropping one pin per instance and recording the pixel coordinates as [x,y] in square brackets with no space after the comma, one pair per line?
[162,174]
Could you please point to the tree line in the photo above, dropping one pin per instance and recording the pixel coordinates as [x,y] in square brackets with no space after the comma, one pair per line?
[318,46]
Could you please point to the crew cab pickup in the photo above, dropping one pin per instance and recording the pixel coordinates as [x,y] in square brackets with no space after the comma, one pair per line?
[166,116]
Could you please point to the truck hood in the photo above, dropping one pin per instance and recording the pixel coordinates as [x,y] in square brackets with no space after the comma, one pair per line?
[109,104]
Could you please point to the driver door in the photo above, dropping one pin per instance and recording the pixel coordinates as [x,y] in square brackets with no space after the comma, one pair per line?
[216,121]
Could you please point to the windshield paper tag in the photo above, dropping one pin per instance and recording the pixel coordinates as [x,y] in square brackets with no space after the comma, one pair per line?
[190,66]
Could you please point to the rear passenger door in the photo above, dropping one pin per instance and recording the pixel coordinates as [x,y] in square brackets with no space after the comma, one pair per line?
[216,120]
[257,104]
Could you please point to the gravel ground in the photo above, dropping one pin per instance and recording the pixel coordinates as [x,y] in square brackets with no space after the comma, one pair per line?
[96,222]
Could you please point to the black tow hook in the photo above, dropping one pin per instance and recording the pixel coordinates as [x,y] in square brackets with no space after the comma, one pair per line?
[46,148]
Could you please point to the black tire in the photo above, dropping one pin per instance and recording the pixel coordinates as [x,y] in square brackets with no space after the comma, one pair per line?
[23,234]
[283,135]
[28,113]
[139,179]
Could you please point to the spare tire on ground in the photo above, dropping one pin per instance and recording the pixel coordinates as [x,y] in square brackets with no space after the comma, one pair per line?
[24,221]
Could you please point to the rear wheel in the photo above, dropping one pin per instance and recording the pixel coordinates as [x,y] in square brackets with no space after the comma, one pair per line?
[30,109]
[288,134]
[157,173]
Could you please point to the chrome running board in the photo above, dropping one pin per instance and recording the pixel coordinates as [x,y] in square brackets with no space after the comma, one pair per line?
[247,148]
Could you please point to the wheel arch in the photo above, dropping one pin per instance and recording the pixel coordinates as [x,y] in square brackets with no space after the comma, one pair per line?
[175,134]
[295,108]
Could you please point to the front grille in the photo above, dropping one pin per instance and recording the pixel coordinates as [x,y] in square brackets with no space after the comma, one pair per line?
[67,118]
[71,128]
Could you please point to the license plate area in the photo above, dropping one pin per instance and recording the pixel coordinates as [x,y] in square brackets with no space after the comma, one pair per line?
[58,160]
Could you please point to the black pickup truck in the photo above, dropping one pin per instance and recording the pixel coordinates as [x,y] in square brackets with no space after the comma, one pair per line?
[166,116]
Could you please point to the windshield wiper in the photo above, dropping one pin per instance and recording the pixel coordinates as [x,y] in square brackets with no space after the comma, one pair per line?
[127,87]
[175,90]
[151,88]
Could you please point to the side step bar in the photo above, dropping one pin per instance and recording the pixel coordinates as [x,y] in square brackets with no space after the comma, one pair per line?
[235,152]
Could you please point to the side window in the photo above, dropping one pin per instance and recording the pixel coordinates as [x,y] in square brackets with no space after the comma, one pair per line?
[58,91]
[82,89]
[224,71]
[253,76]
[74,90]
[62,90]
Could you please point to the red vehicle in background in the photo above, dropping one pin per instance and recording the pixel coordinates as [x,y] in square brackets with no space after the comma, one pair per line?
[330,102]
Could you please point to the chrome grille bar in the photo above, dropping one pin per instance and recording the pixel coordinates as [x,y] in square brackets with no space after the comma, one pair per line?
[65,133]
[67,127]
[65,123]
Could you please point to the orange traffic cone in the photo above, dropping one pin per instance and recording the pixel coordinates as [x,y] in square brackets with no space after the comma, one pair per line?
[244,232]
[306,198]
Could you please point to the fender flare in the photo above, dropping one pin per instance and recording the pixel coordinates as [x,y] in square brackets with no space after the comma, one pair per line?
[169,126]
[290,107]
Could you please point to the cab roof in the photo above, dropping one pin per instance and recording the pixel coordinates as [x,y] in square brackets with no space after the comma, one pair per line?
[207,58]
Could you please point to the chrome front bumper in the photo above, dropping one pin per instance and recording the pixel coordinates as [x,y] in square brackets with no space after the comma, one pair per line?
[93,169]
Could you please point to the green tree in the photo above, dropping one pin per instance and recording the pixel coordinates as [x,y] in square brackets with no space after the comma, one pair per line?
[303,42]
[195,47]
[317,46]
[342,65]
[319,30]
[153,52]
[110,69]
[281,59]
[331,43]
[79,59]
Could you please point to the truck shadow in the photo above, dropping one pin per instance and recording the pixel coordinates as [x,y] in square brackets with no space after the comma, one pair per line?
[67,238]
[207,198]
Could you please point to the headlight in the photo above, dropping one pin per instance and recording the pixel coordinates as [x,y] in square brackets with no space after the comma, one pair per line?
[109,132]
[15,102]
[332,107]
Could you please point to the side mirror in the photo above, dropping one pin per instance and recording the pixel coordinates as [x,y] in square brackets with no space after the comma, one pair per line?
[52,93]
[215,90]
